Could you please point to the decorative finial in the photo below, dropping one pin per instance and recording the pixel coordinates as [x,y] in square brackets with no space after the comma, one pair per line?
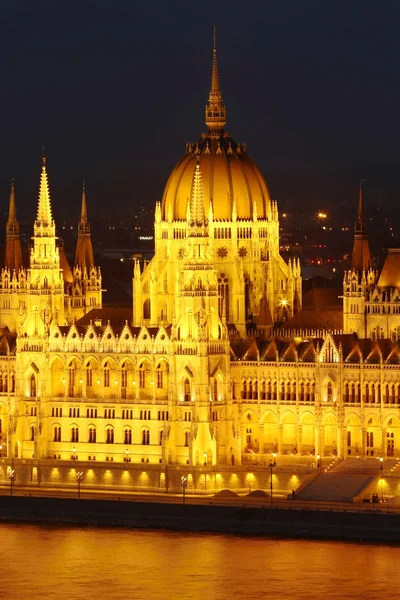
[215,37]
[43,157]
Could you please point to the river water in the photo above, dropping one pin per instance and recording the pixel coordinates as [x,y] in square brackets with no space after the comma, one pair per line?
[40,562]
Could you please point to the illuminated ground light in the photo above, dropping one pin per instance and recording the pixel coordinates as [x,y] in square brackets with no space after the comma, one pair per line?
[90,475]
[108,476]
[54,474]
[144,478]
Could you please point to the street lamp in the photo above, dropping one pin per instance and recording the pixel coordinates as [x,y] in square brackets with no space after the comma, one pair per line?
[205,458]
[74,456]
[11,476]
[318,460]
[1,450]
[271,466]
[79,477]
[184,482]
[381,459]
[126,458]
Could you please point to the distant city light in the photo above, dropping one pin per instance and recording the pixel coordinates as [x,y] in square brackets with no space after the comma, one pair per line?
[322,215]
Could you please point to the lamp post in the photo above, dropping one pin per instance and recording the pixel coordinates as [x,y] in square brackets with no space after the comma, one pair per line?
[381,460]
[11,476]
[205,458]
[1,450]
[184,482]
[74,455]
[126,458]
[318,461]
[381,482]
[79,477]
[271,466]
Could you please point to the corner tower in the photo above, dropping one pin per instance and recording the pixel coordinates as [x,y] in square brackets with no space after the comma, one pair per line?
[86,290]
[359,279]
[45,281]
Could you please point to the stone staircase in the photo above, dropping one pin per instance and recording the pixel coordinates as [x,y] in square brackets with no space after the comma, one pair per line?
[335,487]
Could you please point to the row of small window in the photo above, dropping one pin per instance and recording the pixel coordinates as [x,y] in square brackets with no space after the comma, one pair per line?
[109,413]
[109,435]
[269,391]
[143,376]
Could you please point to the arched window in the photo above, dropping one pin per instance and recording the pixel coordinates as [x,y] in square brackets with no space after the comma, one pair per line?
[89,375]
[329,392]
[33,386]
[346,397]
[71,375]
[92,435]
[57,434]
[160,437]
[124,376]
[106,375]
[127,436]
[187,437]
[186,392]
[5,382]
[74,434]
[109,435]
[147,309]
[142,376]
[160,377]
[145,437]
[32,433]
[223,296]
[12,383]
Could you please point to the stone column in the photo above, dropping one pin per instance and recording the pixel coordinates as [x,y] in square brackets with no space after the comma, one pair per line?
[280,432]
[363,442]
[299,439]
[384,443]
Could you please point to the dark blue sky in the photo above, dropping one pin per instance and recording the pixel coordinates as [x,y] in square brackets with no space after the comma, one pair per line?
[115,88]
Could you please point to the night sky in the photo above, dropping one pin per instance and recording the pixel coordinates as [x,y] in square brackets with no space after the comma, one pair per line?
[114,89]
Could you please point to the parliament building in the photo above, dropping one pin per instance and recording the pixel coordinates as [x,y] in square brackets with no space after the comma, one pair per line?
[218,365]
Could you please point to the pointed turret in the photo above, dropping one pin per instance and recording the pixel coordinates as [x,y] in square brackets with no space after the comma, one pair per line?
[215,109]
[197,212]
[361,259]
[84,251]
[44,216]
[13,255]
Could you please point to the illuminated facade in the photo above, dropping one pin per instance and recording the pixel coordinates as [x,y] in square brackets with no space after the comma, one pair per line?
[198,380]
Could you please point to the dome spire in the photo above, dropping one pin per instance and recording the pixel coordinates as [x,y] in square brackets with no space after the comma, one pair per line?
[215,109]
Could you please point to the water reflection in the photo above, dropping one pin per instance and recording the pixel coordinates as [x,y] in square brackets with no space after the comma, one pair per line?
[74,564]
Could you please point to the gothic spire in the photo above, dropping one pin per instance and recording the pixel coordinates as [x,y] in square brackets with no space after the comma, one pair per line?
[83,218]
[361,259]
[84,251]
[215,109]
[44,216]
[13,255]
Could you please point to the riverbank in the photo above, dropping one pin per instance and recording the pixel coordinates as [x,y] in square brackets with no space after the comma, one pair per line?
[307,523]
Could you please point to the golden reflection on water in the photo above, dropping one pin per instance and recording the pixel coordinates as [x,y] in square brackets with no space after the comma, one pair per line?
[40,562]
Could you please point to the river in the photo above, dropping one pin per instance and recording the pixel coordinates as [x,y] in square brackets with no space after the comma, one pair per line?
[40,562]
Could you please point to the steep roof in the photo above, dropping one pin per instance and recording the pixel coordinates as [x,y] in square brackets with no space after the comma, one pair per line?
[390,274]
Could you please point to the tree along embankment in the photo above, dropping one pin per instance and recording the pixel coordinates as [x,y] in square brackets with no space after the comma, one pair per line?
[306,523]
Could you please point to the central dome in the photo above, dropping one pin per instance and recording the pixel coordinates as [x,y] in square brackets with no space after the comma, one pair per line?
[230,177]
